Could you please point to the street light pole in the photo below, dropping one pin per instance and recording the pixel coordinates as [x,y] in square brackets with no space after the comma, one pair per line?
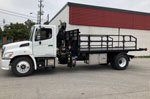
[36,16]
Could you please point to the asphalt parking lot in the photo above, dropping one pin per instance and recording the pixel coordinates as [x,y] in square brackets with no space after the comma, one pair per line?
[83,82]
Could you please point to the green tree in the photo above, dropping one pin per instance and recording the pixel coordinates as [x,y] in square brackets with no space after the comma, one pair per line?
[29,24]
[1,37]
[17,31]
[1,33]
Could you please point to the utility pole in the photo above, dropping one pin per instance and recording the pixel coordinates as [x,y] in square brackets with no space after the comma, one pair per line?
[48,18]
[40,12]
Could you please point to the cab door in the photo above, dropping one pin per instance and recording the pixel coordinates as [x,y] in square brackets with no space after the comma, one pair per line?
[44,43]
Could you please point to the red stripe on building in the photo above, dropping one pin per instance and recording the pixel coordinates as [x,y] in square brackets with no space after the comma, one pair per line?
[80,15]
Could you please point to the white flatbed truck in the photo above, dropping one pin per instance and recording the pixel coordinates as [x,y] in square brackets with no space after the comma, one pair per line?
[45,45]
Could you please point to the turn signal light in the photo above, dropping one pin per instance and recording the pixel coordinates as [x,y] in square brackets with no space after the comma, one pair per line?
[10,54]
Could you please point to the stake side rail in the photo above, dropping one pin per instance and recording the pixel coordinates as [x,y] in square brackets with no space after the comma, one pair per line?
[78,43]
[107,43]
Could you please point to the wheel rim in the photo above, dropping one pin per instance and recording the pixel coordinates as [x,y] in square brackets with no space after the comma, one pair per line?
[122,62]
[23,67]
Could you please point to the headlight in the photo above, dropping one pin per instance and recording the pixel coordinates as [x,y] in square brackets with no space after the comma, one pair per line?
[8,55]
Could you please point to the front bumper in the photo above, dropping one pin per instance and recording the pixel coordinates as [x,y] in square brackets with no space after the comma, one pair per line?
[5,64]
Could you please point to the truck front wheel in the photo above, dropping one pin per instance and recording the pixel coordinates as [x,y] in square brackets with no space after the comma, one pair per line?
[22,66]
[120,62]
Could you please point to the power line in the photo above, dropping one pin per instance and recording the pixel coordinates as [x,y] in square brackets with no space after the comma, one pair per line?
[16,13]
[44,2]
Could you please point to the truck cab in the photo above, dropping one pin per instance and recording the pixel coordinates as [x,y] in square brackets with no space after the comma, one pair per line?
[26,56]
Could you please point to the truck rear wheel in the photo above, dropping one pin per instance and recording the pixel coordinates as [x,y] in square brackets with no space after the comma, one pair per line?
[22,66]
[120,62]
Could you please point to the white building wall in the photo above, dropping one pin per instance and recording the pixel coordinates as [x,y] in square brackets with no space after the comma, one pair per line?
[94,30]
[63,16]
[143,36]
[143,40]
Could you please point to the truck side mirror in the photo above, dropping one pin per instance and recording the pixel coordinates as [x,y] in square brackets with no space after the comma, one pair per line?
[37,38]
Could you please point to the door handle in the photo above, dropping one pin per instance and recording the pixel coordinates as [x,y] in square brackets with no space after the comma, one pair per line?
[40,42]
[50,45]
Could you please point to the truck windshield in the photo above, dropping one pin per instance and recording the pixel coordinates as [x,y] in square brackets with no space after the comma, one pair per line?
[31,33]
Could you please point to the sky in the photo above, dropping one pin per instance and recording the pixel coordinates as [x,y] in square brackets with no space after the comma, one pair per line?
[51,7]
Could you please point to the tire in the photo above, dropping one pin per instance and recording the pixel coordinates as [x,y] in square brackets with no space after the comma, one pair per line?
[22,66]
[120,62]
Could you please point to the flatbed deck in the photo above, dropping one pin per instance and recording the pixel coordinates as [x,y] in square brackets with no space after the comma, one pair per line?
[113,49]
[93,43]
[104,50]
